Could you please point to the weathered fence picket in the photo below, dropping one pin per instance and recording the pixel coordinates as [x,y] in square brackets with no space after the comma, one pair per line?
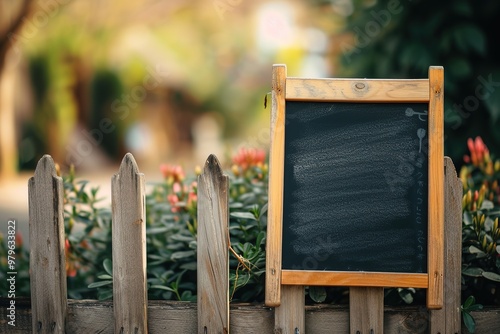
[447,320]
[47,258]
[290,316]
[130,299]
[213,248]
[51,312]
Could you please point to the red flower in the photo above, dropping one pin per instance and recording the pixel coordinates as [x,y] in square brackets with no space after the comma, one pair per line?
[71,268]
[249,157]
[173,200]
[19,239]
[172,173]
[479,153]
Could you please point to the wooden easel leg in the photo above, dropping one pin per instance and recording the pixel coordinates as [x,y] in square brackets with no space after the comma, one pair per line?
[366,310]
[289,317]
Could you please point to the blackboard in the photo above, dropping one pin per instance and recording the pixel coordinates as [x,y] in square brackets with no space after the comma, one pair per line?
[355,187]
[356,173]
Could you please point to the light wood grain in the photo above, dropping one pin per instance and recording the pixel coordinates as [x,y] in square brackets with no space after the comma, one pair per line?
[366,310]
[435,242]
[91,316]
[447,319]
[129,249]
[353,278]
[276,179]
[47,257]
[357,90]
[289,317]
[213,242]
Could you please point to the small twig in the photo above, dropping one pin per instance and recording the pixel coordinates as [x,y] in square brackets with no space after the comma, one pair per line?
[239,258]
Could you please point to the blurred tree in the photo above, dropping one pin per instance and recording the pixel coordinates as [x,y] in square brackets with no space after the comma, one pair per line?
[12,16]
[11,20]
[401,39]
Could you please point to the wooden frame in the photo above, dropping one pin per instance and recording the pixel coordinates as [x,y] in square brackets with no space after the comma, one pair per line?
[359,91]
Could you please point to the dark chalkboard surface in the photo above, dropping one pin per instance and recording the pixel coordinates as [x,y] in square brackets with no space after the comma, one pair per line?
[355,187]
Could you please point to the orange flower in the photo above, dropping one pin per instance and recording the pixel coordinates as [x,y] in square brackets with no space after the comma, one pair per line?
[71,268]
[172,173]
[249,157]
[19,239]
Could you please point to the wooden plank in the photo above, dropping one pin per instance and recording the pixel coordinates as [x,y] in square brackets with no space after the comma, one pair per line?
[289,317]
[448,319]
[276,174]
[129,249]
[435,250]
[339,278]
[357,90]
[213,251]
[366,310]
[251,319]
[487,322]
[91,316]
[331,319]
[47,257]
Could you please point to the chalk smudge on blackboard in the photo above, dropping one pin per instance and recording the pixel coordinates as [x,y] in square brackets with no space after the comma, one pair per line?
[336,156]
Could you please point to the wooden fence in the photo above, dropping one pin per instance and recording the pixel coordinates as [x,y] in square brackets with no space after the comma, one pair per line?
[49,311]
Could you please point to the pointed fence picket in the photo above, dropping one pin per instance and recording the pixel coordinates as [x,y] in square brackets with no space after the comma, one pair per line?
[213,251]
[47,258]
[50,311]
[130,297]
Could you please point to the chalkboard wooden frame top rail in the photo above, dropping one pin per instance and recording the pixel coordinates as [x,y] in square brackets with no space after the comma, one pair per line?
[357,91]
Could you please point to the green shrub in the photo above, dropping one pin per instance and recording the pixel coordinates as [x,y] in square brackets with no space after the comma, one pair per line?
[171,228]
[480,228]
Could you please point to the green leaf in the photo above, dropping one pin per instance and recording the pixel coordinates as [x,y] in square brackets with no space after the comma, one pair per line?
[260,238]
[181,255]
[263,210]
[157,230]
[162,287]
[108,266]
[467,218]
[473,272]
[487,205]
[475,307]
[468,302]
[243,215]
[406,295]
[475,250]
[99,284]
[107,294]
[180,237]
[189,266]
[491,276]
[105,277]
[469,322]
[187,296]
[317,293]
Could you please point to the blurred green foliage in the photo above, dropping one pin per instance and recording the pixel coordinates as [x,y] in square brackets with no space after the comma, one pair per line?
[106,87]
[401,39]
